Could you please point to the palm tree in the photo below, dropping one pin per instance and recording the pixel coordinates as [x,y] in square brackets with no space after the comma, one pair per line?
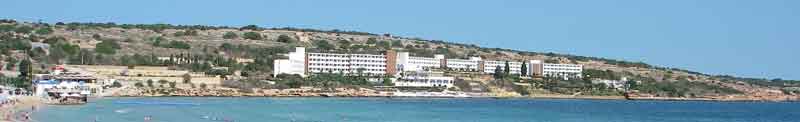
[507,69]
[523,70]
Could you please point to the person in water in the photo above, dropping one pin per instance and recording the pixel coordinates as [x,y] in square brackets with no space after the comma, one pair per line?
[27,116]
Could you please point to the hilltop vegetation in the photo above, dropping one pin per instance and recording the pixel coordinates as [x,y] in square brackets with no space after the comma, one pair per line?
[201,48]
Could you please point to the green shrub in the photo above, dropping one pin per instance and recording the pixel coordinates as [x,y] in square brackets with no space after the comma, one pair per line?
[44,31]
[23,29]
[230,35]
[107,47]
[285,39]
[253,36]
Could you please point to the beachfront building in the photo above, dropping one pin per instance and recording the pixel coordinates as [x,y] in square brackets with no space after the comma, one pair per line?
[405,62]
[66,84]
[61,82]
[366,64]
[424,79]
[539,68]
[303,64]
[616,84]
[491,66]
[393,63]
[296,64]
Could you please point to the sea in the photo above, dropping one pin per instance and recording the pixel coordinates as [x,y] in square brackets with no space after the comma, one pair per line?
[320,109]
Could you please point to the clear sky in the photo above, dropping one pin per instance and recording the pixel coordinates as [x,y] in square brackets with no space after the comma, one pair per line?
[752,38]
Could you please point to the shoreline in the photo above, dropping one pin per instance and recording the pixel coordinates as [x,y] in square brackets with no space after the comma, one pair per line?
[16,110]
[485,97]
[360,92]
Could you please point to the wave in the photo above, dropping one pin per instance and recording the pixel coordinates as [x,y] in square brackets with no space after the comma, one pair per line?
[159,103]
[122,111]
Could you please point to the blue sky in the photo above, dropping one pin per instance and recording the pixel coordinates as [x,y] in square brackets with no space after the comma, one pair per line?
[753,38]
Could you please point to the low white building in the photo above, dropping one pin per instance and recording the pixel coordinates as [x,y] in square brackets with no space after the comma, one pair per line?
[66,84]
[424,79]
[616,84]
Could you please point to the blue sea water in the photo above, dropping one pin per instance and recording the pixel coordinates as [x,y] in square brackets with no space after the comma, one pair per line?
[219,109]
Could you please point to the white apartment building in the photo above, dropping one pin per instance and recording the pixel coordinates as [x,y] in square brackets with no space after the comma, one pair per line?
[556,70]
[302,63]
[296,64]
[490,66]
[346,63]
[411,63]
[472,64]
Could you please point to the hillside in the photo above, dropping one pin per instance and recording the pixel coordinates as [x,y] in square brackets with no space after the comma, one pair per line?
[199,48]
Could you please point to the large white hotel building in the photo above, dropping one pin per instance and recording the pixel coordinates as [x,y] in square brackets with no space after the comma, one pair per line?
[393,63]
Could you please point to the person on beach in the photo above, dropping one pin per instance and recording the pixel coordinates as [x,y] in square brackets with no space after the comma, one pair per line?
[147,118]
[7,115]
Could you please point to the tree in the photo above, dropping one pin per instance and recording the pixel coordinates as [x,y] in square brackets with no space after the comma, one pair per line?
[44,31]
[203,85]
[507,69]
[385,45]
[324,45]
[252,36]
[6,28]
[190,32]
[172,84]
[138,85]
[177,45]
[344,44]
[498,73]
[116,84]
[249,27]
[25,68]
[162,81]
[360,71]
[227,46]
[372,41]
[17,44]
[187,78]
[397,43]
[57,53]
[523,71]
[387,81]
[107,47]
[23,29]
[149,83]
[97,36]
[285,39]
[230,35]
[11,63]
[36,52]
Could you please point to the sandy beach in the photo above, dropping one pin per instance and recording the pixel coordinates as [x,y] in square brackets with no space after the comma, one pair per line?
[14,112]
